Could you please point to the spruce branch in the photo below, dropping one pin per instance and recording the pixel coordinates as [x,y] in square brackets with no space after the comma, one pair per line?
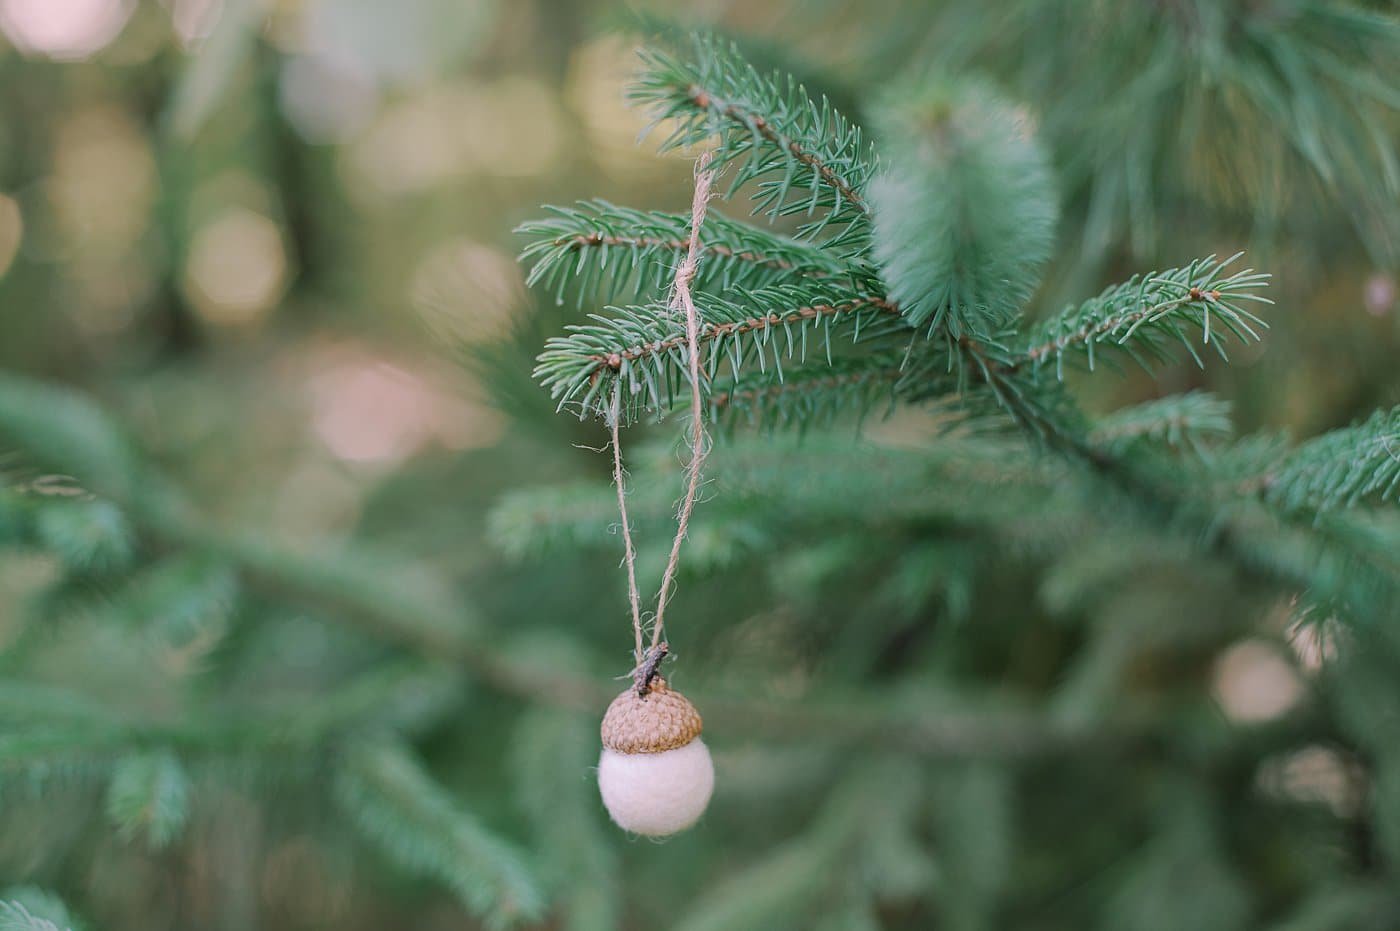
[1142,306]
[529,521]
[805,156]
[353,589]
[964,479]
[361,585]
[15,917]
[807,396]
[1184,420]
[149,795]
[1249,109]
[49,729]
[973,733]
[389,796]
[854,387]
[1351,559]
[549,750]
[1329,562]
[1342,468]
[1227,527]
[27,705]
[1045,412]
[645,346]
[44,905]
[947,733]
[792,885]
[86,534]
[965,207]
[1146,317]
[61,432]
[606,253]
[176,601]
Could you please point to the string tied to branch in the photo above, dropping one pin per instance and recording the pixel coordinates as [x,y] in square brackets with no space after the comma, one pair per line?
[648,659]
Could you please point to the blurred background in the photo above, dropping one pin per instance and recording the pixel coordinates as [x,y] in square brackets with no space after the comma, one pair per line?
[273,240]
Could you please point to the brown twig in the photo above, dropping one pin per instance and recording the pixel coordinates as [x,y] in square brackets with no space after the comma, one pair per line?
[1086,334]
[587,240]
[648,667]
[706,101]
[712,331]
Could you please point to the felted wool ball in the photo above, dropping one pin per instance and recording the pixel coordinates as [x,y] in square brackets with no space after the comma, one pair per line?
[655,774]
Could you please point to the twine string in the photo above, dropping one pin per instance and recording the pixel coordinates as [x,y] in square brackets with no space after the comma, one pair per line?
[681,299]
[630,551]
[648,661]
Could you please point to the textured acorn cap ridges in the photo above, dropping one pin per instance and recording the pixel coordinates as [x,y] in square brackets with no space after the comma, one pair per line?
[662,720]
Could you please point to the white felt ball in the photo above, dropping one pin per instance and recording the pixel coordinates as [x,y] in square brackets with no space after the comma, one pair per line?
[657,793]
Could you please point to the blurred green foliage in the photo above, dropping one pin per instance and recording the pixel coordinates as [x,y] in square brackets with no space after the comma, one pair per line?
[309,601]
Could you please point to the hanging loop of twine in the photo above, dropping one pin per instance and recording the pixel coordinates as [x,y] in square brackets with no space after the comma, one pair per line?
[648,661]
[629,550]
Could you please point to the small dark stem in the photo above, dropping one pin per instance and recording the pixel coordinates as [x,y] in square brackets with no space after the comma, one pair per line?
[712,331]
[593,240]
[703,99]
[648,668]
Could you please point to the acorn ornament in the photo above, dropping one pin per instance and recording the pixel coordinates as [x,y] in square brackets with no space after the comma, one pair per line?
[655,773]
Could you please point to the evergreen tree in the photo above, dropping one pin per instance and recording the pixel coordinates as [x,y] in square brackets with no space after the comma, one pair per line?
[961,627]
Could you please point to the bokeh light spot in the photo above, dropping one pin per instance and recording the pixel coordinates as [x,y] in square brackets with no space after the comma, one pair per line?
[237,267]
[453,131]
[403,41]
[598,76]
[1315,774]
[1253,682]
[324,102]
[65,30]
[1380,295]
[370,411]
[194,20]
[11,231]
[466,291]
[103,181]
[503,143]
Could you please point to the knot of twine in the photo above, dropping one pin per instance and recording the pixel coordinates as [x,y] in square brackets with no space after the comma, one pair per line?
[648,660]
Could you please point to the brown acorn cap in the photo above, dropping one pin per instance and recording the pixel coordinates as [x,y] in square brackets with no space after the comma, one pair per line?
[661,720]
